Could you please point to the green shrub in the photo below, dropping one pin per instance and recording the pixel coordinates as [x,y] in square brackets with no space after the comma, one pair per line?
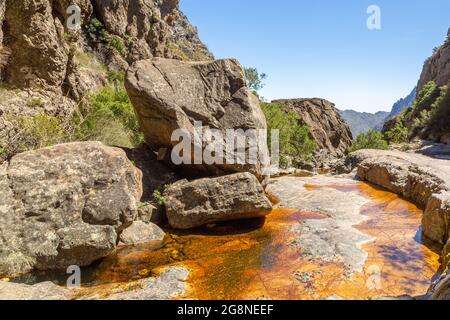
[98,34]
[294,140]
[34,132]
[2,152]
[426,97]
[96,31]
[35,103]
[41,131]
[159,198]
[117,43]
[108,116]
[440,113]
[116,78]
[370,140]
[87,60]
[398,134]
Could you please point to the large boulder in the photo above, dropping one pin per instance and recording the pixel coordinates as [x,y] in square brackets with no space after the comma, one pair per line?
[64,205]
[233,197]
[331,134]
[169,95]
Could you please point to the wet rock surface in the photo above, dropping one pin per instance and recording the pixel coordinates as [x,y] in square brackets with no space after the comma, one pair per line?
[331,239]
[170,283]
[421,179]
[270,258]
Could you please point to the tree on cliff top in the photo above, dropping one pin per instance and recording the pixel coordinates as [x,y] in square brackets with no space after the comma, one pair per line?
[255,80]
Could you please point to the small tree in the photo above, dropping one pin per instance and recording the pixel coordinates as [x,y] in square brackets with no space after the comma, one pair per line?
[370,140]
[294,139]
[398,134]
[255,80]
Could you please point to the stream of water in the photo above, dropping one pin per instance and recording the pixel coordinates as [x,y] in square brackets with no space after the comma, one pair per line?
[263,259]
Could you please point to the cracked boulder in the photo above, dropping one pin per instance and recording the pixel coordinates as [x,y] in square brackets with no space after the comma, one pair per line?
[64,205]
[169,95]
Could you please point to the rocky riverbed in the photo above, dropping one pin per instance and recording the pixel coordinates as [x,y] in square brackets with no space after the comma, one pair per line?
[329,237]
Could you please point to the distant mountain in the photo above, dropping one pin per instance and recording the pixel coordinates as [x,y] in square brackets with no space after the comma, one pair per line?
[403,104]
[361,122]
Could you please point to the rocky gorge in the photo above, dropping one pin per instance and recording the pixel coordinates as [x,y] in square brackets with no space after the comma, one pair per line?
[369,224]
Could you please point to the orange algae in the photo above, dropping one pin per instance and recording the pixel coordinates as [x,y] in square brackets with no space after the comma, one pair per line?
[255,259]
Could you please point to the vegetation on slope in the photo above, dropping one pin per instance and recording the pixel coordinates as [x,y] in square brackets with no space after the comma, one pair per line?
[107,116]
[370,140]
[430,115]
[296,145]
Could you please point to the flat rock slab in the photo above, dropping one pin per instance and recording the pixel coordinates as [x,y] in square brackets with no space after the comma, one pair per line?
[41,291]
[169,284]
[331,239]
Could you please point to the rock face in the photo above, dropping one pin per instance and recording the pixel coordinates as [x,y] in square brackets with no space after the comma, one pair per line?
[233,197]
[36,35]
[440,290]
[420,179]
[437,67]
[141,232]
[156,28]
[2,18]
[64,205]
[41,56]
[169,95]
[332,135]
[431,114]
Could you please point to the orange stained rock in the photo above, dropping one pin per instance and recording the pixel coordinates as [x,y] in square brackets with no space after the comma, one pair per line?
[256,259]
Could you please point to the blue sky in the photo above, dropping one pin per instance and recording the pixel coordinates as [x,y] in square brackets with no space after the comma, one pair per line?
[322,48]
